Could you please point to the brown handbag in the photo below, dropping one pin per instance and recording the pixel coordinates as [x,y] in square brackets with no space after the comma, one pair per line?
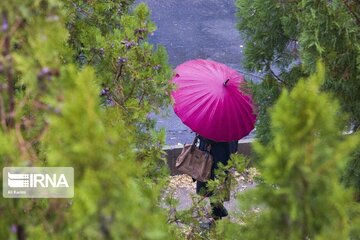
[194,162]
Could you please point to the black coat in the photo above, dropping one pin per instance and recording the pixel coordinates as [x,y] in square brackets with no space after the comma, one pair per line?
[221,154]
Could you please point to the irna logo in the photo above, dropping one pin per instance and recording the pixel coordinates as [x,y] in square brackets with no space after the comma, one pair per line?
[21,180]
[38,182]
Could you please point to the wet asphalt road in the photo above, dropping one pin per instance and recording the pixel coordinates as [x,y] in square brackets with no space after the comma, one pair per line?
[191,29]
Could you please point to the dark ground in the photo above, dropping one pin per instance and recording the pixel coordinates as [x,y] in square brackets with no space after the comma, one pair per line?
[191,29]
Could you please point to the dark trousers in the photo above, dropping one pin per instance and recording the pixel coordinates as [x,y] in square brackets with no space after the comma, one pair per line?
[221,154]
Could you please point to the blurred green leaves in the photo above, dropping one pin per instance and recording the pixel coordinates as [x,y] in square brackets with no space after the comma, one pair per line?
[301,196]
[52,113]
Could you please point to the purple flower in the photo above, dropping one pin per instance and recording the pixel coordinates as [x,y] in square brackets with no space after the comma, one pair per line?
[128,44]
[5,25]
[14,228]
[121,60]
[45,71]
[109,102]
[105,91]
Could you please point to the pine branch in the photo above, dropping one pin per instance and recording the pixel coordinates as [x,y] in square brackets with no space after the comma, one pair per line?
[251,75]
[25,147]
[357,18]
[119,72]
[2,113]
[8,70]
[277,77]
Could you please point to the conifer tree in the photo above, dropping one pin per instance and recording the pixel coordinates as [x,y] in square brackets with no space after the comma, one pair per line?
[51,115]
[301,196]
[284,39]
[134,73]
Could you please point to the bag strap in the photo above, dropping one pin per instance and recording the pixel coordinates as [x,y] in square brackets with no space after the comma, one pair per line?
[193,145]
[195,140]
[207,143]
[208,147]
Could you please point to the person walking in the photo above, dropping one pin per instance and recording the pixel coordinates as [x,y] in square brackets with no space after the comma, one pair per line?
[208,98]
[221,152]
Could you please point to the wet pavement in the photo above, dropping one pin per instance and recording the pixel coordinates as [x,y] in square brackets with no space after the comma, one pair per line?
[191,29]
[182,188]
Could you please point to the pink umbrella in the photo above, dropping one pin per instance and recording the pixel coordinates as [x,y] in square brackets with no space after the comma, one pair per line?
[209,101]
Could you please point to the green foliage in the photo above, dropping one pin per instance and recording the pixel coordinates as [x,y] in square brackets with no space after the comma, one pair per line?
[133,73]
[225,180]
[267,40]
[270,88]
[51,115]
[108,193]
[290,36]
[192,221]
[301,196]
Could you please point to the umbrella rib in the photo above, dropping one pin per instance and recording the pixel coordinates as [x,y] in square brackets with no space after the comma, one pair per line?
[204,104]
[235,124]
[205,121]
[192,97]
[247,111]
[195,108]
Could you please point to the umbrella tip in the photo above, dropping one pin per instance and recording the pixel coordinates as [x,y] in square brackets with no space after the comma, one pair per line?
[227,80]
[177,75]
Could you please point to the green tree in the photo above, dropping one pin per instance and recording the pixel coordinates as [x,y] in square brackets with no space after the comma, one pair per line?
[301,196]
[51,115]
[284,39]
[134,73]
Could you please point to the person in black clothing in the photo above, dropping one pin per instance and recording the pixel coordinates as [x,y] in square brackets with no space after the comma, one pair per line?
[221,154]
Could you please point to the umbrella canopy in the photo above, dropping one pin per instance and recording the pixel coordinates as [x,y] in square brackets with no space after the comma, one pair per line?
[207,98]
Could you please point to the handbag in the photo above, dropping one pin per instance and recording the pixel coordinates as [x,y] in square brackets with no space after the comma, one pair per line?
[195,162]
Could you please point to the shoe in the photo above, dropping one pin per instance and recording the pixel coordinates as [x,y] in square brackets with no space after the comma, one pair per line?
[218,211]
